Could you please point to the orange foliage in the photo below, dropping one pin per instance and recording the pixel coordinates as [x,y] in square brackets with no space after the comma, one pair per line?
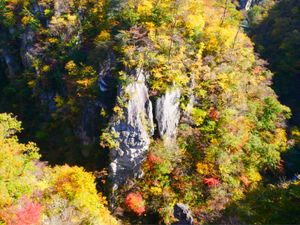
[153,160]
[134,201]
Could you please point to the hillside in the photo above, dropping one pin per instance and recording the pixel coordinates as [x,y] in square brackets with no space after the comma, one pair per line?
[166,103]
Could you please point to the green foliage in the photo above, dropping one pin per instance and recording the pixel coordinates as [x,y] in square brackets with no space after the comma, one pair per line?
[274,27]
[268,205]
[235,129]
[275,31]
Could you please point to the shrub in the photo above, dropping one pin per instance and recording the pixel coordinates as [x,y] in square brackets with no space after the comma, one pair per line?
[26,212]
[135,202]
[211,182]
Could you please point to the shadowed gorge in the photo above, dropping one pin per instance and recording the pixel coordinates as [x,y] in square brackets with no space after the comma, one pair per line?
[275,31]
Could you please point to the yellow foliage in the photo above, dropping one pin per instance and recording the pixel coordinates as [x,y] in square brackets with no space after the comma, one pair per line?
[204,168]
[31,83]
[45,68]
[52,40]
[254,176]
[117,109]
[103,36]
[47,12]
[198,116]
[145,7]
[103,113]
[156,190]
[72,18]
[26,20]
[88,70]
[70,66]
[79,187]
[85,82]
[219,38]
[296,133]
[280,137]
[58,101]
[194,22]
[108,140]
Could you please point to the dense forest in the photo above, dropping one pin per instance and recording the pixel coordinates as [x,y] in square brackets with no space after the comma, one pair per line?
[149,112]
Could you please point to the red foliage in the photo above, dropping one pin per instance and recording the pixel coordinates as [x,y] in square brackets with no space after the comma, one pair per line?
[214,114]
[211,182]
[153,160]
[25,213]
[134,201]
[28,214]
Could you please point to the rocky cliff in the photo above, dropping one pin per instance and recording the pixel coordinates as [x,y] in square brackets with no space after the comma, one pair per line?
[132,128]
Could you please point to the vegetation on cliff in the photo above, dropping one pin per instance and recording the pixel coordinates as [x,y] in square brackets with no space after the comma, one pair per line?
[61,65]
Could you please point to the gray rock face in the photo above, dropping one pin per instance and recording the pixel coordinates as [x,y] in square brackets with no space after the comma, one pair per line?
[167,114]
[11,62]
[134,130]
[247,4]
[186,116]
[105,77]
[87,127]
[27,48]
[183,214]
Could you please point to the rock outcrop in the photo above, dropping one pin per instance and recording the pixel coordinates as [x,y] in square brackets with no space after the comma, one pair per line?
[247,4]
[186,115]
[134,129]
[183,214]
[167,114]
[87,127]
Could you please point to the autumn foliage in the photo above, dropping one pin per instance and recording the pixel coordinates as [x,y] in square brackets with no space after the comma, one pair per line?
[134,201]
[211,182]
[25,213]
[153,160]
[72,59]
[28,214]
[32,193]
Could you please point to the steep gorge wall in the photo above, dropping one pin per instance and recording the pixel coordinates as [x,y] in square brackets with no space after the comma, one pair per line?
[132,130]
[134,127]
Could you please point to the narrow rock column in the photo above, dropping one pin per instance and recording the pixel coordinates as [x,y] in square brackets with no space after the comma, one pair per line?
[167,114]
[134,129]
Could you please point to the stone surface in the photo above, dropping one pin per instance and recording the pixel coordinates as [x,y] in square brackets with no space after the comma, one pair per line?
[86,131]
[134,129]
[167,114]
[27,49]
[183,214]
[186,116]
[247,4]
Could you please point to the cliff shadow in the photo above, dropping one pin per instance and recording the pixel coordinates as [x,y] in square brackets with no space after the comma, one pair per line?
[277,40]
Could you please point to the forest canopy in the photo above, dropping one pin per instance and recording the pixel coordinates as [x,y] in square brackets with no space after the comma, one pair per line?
[95,83]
